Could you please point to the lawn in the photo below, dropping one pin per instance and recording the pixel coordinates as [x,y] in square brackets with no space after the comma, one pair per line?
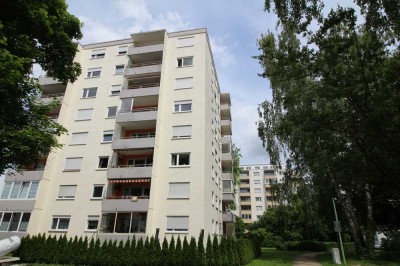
[271,257]
[351,259]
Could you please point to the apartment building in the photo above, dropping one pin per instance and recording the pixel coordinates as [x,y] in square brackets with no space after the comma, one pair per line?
[148,149]
[255,190]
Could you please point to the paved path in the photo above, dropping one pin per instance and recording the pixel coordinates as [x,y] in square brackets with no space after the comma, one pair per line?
[307,259]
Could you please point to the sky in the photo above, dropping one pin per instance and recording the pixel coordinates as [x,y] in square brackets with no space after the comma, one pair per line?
[233,28]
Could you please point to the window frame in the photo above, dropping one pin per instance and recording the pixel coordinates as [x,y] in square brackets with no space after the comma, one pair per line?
[73,169]
[58,218]
[98,54]
[178,106]
[75,142]
[108,111]
[100,160]
[67,197]
[86,92]
[119,69]
[122,51]
[178,164]
[178,80]
[115,88]
[92,71]
[178,45]
[181,61]
[12,222]
[107,133]
[93,192]
[179,196]
[92,218]
[84,118]
[178,230]
[176,136]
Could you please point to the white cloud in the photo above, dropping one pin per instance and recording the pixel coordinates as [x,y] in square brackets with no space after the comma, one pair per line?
[171,21]
[222,53]
[95,31]
[245,135]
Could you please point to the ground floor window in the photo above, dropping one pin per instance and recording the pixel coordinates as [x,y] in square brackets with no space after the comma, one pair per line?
[14,221]
[60,223]
[123,222]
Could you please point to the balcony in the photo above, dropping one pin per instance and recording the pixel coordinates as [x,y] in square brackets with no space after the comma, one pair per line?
[48,98]
[227,156]
[143,69]
[125,204]
[227,175]
[132,143]
[225,112]
[146,51]
[24,175]
[228,197]
[226,127]
[141,90]
[228,217]
[137,114]
[50,85]
[130,171]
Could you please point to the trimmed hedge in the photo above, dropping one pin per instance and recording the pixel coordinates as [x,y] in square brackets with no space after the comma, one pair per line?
[302,246]
[82,251]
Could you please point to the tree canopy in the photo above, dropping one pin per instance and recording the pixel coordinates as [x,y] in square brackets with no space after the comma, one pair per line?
[335,110]
[32,32]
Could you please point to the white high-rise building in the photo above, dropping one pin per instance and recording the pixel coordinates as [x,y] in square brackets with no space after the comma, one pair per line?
[148,149]
[255,190]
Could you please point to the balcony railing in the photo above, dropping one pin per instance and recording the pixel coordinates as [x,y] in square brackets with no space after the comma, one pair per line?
[143,86]
[52,95]
[139,110]
[125,197]
[147,44]
[133,165]
[145,64]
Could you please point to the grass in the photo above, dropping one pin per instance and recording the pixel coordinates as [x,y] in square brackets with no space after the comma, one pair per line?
[351,259]
[272,257]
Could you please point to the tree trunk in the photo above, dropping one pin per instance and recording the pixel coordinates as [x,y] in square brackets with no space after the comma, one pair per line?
[370,229]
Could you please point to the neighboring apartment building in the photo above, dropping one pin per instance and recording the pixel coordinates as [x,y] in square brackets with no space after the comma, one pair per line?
[148,150]
[255,190]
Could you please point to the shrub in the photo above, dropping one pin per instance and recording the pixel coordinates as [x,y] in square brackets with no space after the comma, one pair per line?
[305,246]
[391,246]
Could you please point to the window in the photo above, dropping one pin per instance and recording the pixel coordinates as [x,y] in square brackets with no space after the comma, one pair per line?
[258,198]
[187,41]
[115,90]
[60,223]
[73,164]
[185,61]
[97,54]
[93,72]
[19,190]
[246,216]
[14,221]
[184,83]
[126,105]
[67,192]
[108,136]
[256,181]
[257,190]
[103,162]
[181,132]
[258,208]
[122,50]
[177,224]
[256,173]
[180,159]
[179,190]
[92,222]
[84,114]
[79,138]
[112,111]
[97,191]
[89,93]
[119,69]
[183,106]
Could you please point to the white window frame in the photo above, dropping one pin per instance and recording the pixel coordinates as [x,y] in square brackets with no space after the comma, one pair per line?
[178,155]
[93,72]
[76,160]
[112,108]
[122,50]
[98,54]
[86,92]
[92,218]
[79,138]
[65,187]
[32,188]
[84,114]
[182,187]
[58,218]
[119,69]
[258,199]
[103,157]
[257,190]
[12,216]
[185,41]
[186,61]
[184,220]
[184,83]
[257,182]
[115,90]
[178,106]
[107,133]
[102,191]
[182,132]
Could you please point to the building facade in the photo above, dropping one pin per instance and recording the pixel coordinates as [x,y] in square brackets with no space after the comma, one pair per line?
[148,149]
[255,190]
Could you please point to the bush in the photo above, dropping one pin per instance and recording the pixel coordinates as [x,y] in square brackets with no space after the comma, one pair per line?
[305,246]
[391,246]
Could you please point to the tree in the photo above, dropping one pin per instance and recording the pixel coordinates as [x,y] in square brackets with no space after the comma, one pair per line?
[41,32]
[335,109]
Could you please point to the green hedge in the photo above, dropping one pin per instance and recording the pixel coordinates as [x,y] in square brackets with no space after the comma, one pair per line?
[302,246]
[81,251]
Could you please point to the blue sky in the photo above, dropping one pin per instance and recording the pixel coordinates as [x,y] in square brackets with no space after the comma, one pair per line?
[233,28]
